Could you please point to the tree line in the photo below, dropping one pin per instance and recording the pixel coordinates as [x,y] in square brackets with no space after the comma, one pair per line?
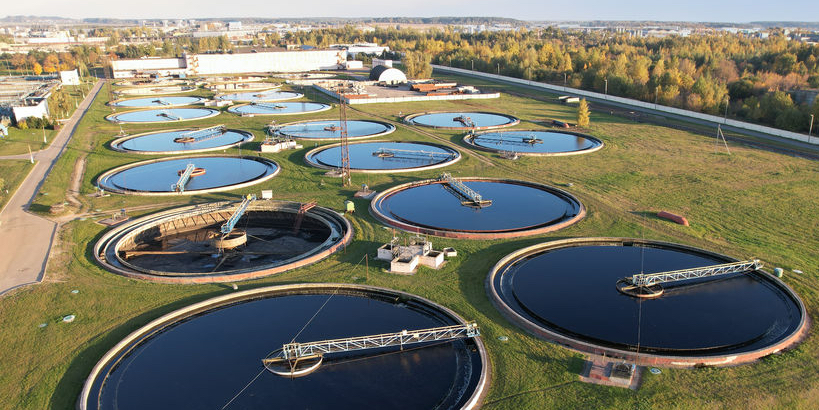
[752,79]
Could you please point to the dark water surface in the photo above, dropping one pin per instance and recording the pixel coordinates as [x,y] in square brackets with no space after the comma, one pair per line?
[513,207]
[572,290]
[361,155]
[551,142]
[329,129]
[203,362]
[164,141]
[447,119]
[284,108]
[265,95]
[158,102]
[159,176]
[156,115]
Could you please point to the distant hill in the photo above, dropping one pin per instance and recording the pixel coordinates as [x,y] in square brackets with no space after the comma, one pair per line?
[365,20]
[812,25]
[34,19]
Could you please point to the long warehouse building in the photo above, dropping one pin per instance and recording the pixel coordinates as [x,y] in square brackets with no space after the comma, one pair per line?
[206,64]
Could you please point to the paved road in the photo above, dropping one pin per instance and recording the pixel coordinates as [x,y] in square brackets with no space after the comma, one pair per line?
[25,238]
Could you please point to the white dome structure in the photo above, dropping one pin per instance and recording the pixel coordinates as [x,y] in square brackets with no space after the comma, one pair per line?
[387,75]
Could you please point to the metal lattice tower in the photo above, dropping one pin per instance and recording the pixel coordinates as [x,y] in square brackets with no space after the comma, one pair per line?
[345,146]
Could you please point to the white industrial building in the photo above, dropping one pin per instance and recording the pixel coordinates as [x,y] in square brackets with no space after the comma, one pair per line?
[378,61]
[207,64]
[70,77]
[22,97]
[364,48]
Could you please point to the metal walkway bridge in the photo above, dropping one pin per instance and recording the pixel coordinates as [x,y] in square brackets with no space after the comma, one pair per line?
[651,279]
[161,101]
[270,106]
[466,121]
[524,141]
[203,134]
[167,114]
[419,155]
[184,177]
[473,198]
[228,226]
[293,351]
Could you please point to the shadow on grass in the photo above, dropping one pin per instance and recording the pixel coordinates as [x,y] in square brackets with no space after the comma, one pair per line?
[39,209]
[474,270]
[70,385]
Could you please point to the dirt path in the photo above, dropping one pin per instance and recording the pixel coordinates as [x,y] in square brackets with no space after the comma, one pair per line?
[27,238]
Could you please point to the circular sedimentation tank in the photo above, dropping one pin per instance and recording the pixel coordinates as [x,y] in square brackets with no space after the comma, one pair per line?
[506,208]
[162,115]
[162,90]
[462,120]
[186,140]
[211,174]
[210,354]
[566,291]
[185,245]
[535,142]
[259,95]
[385,156]
[324,130]
[157,102]
[282,108]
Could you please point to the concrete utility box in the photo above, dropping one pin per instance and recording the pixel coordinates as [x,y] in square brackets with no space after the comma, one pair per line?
[353,64]
[404,264]
[267,194]
[349,206]
[385,252]
[278,146]
[433,259]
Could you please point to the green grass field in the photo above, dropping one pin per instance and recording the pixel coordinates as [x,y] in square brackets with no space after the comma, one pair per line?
[12,173]
[749,203]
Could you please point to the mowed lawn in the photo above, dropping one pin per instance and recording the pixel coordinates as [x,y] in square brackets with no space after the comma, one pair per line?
[749,203]
[12,174]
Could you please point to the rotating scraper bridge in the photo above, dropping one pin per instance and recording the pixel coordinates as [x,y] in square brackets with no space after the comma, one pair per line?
[649,285]
[285,362]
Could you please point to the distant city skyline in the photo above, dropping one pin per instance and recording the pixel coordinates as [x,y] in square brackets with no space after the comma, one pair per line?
[729,11]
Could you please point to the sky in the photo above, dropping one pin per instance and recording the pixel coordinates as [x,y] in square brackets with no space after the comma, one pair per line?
[732,11]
